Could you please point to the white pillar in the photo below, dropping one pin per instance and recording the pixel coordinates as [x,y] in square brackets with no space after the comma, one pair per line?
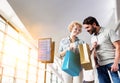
[118,16]
[118,9]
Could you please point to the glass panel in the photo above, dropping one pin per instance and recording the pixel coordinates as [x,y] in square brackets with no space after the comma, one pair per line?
[11,46]
[33,61]
[41,76]
[1,40]
[12,32]
[8,71]
[54,77]
[21,74]
[31,76]
[48,77]
[6,79]
[21,65]
[2,24]
[34,82]
[23,53]
[32,69]
[20,81]
[40,79]
[1,69]
[9,60]
[23,40]
[41,66]
[34,53]
[24,49]
[1,46]
[1,36]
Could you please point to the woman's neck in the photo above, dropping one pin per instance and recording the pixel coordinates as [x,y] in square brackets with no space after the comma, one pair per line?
[72,38]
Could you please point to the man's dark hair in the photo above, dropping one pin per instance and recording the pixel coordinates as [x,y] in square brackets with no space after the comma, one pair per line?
[90,20]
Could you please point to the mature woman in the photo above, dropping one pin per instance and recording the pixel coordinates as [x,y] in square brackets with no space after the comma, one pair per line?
[71,43]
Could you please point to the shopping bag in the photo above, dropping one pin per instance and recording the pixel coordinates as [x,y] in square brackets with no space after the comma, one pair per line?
[71,64]
[85,58]
[109,70]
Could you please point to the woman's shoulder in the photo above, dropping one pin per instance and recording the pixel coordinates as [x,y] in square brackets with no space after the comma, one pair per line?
[66,39]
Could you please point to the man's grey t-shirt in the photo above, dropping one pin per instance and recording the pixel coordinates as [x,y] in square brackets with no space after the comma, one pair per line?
[105,50]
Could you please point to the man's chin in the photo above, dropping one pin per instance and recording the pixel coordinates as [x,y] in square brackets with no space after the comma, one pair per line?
[90,33]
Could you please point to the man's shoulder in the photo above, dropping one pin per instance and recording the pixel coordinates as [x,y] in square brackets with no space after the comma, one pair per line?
[108,30]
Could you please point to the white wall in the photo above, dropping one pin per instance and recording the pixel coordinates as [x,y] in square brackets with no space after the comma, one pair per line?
[118,9]
[118,16]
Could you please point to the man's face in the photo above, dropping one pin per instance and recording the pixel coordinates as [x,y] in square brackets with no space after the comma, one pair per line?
[90,28]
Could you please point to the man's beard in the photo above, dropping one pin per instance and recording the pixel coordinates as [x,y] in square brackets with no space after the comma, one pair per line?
[93,30]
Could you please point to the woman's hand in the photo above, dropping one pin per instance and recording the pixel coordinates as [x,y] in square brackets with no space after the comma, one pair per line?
[71,47]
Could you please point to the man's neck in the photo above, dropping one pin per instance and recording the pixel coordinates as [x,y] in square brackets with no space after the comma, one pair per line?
[97,30]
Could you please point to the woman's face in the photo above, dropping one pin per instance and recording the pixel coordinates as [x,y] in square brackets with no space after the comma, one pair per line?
[76,30]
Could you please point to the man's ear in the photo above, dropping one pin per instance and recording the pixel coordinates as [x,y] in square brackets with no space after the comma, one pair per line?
[94,24]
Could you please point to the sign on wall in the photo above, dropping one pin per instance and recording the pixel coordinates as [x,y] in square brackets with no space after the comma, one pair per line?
[46,50]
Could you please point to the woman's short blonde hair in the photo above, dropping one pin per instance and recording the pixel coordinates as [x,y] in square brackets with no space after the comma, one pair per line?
[72,24]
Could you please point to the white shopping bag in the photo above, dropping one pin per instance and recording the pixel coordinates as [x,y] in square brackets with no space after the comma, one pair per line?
[111,76]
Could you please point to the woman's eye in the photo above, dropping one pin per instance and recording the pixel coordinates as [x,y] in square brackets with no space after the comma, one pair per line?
[79,30]
[75,29]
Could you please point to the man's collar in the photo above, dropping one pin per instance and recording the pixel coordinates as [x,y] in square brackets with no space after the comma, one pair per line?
[101,30]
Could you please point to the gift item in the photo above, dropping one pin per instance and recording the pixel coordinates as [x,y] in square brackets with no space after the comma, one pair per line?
[85,59]
[71,63]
